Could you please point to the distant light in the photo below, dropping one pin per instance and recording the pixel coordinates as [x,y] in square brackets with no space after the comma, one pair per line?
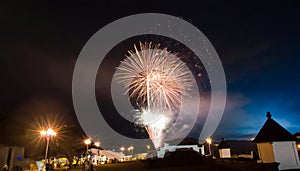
[49,132]
[122,148]
[252,139]
[87,141]
[130,148]
[43,132]
[298,146]
[97,144]
[209,140]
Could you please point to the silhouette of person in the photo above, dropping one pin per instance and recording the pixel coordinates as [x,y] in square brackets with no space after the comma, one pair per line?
[91,167]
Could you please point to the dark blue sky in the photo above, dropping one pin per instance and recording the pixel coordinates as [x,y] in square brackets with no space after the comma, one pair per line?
[257,42]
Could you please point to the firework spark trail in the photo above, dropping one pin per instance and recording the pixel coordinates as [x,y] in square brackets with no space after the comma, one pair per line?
[158,78]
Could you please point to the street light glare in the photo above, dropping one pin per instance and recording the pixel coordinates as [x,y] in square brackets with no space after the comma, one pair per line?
[49,132]
[87,141]
[130,148]
[43,132]
[209,140]
[48,135]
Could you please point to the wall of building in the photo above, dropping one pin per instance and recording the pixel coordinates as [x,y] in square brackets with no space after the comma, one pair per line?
[225,153]
[170,148]
[12,156]
[286,154]
[246,156]
[16,157]
[266,152]
[4,150]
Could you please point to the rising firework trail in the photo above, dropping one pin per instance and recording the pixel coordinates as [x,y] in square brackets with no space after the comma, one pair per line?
[158,79]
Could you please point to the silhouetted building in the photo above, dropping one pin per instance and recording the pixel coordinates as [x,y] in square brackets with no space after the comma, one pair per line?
[276,144]
[297,135]
[237,149]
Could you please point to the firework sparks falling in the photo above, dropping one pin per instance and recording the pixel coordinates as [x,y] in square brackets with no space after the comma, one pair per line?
[147,117]
[158,79]
[154,123]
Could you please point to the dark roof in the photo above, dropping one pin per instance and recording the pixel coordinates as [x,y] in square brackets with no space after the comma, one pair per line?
[272,131]
[224,144]
[297,135]
[238,146]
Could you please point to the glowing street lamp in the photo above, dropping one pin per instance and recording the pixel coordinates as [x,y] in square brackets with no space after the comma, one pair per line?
[148,147]
[87,142]
[209,141]
[122,149]
[97,144]
[131,149]
[48,134]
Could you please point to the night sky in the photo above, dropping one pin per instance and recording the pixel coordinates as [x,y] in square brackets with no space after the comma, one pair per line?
[258,44]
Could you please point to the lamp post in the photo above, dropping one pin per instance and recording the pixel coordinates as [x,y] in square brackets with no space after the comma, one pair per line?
[131,148]
[122,149]
[209,141]
[97,144]
[87,142]
[48,134]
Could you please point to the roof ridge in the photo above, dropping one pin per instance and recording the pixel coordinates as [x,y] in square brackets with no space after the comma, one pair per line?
[273,131]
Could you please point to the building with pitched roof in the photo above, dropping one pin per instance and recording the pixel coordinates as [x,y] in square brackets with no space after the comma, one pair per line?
[276,144]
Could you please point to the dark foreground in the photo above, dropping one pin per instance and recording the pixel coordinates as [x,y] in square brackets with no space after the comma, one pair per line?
[188,160]
[140,166]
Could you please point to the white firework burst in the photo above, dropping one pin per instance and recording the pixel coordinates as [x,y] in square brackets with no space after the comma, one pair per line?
[157,78]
